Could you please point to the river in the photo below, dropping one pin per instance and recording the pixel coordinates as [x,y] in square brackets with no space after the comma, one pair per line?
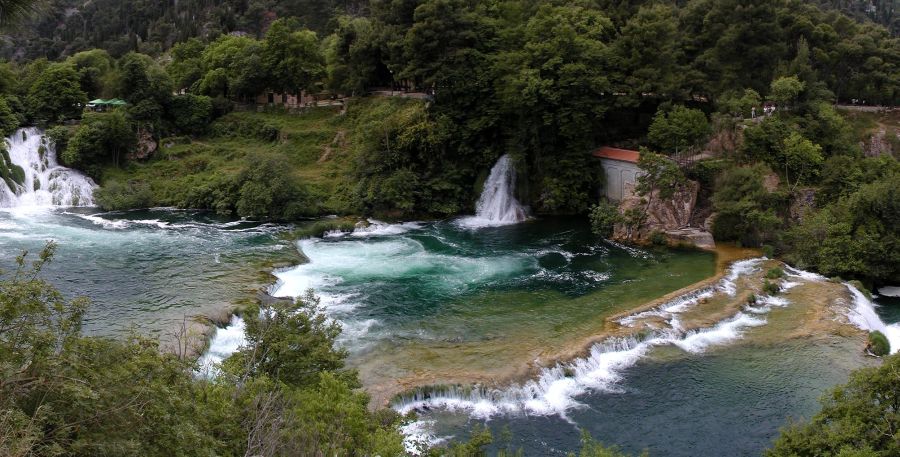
[465,321]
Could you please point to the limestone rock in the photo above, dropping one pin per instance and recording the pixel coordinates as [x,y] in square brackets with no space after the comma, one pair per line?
[670,216]
[146,145]
[693,236]
[803,202]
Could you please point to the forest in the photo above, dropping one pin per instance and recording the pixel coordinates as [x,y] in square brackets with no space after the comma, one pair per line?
[544,81]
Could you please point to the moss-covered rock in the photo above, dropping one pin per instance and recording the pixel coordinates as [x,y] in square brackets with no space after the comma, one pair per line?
[878,343]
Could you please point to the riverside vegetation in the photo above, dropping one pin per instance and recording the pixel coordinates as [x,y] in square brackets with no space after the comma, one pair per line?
[543,81]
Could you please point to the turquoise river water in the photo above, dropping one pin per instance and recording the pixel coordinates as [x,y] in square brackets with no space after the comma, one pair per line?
[443,303]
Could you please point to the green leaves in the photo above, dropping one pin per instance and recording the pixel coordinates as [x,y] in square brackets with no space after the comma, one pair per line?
[56,94]
[678,129]
[857,419]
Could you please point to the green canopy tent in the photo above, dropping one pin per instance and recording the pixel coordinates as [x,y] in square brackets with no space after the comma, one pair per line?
[103,105]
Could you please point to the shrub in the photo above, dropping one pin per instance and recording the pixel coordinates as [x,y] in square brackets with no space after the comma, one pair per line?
[878,343]
[237,126]
[658,238]
[191,113]
[775,273]
[604,216]
[771,288]
[118,196]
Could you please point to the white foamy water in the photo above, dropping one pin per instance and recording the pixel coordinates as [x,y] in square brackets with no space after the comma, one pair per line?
[497,204]
[863,315]
[890,291]
[46,183]
[556,389]
[225,341]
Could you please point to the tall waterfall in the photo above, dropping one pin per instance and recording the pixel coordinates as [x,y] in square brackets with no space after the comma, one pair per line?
[31,175]
[497,204]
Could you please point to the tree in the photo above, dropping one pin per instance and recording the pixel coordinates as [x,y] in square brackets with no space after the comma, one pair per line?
[802,159]
[265,188]
[785,90]
[293,343]
[9,122]
[857,236]
[185,68]
[740,104]
[101,139]
[232,67]
[857,419]
[651,51]
[678,129]
[745,211]
[62,393]
[604,216]
[292,59]
[94,69]
[145,86]
[56,94]
[191,113]
[661,178]
[13,11]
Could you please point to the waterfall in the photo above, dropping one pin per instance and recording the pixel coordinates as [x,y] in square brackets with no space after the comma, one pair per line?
[31,175]
[497,204]
[865,317]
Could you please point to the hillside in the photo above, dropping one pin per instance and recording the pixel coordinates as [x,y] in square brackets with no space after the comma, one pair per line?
[65,27]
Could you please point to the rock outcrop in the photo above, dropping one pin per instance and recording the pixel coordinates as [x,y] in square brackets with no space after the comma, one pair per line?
[671,217]
[146,145]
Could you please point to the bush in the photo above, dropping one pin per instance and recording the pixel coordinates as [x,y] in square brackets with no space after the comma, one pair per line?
[116,196]
[191,113]
[237,126]
[771,288]
[604,216]
[744,208]
[775,273]
[879,344]
[267,189]
[658,238]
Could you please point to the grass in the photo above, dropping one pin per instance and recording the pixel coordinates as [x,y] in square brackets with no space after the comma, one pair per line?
[318,144]
[180,165]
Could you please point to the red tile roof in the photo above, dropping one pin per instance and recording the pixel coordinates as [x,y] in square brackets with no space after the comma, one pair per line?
[625,155]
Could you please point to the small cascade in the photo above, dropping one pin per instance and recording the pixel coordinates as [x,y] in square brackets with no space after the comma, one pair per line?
[865,317]
[31,175]
[498,204]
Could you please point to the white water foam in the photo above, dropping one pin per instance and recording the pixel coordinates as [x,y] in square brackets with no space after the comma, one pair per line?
[46,183]
[225,341]
[379,228]
[497,204]
[889,291]
[556,389]
[738,269]
[864,316]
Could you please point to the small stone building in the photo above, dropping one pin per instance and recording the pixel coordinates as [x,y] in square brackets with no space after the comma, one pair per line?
[621,169]
[285,100]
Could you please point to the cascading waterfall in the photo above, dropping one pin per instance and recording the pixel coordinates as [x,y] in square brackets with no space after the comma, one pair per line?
[866,318]
[31,175]
[498,204]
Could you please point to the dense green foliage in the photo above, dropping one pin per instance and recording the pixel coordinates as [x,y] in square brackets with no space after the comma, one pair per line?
[745,210]
[857,419]
[879,343]
[65,394]
[857,235]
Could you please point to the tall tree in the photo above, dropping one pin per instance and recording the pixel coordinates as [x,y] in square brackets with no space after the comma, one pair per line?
[292,59]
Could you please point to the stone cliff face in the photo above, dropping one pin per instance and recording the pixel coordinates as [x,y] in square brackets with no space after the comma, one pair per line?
[671,217]
[146,145]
